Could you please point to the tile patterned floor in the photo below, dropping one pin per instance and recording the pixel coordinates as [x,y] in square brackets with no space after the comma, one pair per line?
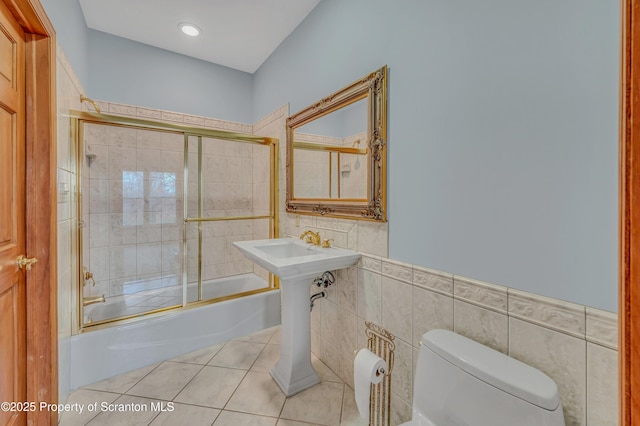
[224,384]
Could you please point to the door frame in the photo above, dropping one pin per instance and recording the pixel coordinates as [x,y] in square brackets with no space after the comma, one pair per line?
[41,217]
[629,214]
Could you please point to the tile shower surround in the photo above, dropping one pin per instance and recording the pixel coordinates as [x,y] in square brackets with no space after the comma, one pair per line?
[575,345]
[135,207]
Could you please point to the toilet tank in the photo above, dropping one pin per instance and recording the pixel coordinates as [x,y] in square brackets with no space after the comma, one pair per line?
[461,382]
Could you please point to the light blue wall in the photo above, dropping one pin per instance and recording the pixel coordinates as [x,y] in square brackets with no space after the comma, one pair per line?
[118,70]
[132,73]
[71,32]
[503,120]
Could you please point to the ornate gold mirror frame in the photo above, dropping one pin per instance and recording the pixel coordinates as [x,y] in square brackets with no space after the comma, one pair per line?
[373,88]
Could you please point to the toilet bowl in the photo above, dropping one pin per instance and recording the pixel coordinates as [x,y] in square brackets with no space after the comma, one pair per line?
[461,382]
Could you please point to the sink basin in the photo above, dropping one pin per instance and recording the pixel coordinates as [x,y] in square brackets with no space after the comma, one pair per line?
[292,258]
[296,263]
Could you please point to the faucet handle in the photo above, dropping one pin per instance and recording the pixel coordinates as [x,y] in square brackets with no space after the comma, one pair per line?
[327,243]
[88,276]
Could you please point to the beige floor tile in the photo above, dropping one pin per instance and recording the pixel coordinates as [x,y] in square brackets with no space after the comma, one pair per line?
[257,394]
[236,354]
[267,359]
[262,336]
[275,339]
[166,381]
[286,422]
[122,382]
[212,387]
[201,356]
[323,371]
[127,411]
[84,398]
[350,415]
[232,418]
[183,414]
[320,404]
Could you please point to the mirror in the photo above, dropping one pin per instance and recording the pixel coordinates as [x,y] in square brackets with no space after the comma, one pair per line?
[336,153]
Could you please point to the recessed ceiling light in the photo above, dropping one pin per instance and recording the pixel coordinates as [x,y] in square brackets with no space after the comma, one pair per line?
[189,29]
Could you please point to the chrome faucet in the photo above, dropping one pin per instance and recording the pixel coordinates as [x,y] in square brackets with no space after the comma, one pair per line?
[311,237]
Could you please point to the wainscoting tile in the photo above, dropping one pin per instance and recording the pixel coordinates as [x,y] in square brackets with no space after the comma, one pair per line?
[347,327]
[397,270]
[194,120]
[329,325]
[121,109]
[482,325]
[558,355]
[602,386]
[402,373]
[431,310]
[370,296]
[602,327]
[553,313]
[347,286]
[325,373]
[213,123]
[153,114]
[371,263]
[400,410]
[480,293]
[172,116]
[433,280]
[373,238]
[396,308]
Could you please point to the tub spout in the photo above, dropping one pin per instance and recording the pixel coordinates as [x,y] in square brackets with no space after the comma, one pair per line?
[91,300]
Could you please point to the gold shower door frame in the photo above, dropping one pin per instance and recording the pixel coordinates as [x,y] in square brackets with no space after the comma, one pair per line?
[79,118]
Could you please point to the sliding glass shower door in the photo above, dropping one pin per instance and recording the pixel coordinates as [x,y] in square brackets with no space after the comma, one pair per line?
[160,207]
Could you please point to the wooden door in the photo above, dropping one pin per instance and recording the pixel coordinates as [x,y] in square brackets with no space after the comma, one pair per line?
[13,385]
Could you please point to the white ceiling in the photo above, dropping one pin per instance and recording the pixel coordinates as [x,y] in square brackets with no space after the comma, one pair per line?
[239,34]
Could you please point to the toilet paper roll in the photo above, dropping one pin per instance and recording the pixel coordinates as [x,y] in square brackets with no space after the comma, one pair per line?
[368,368]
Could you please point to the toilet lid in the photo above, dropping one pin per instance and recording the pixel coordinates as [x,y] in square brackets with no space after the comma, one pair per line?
[494,368]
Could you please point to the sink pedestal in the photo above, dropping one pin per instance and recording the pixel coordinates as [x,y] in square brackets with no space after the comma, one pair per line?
[293,372]
[295,263]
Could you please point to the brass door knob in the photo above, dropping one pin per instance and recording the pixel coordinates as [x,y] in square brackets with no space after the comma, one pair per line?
[25,262]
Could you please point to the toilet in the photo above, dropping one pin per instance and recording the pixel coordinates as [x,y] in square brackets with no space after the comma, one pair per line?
[461,382]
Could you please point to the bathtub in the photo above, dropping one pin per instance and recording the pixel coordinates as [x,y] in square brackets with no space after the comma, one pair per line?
[99,354]
[142,296]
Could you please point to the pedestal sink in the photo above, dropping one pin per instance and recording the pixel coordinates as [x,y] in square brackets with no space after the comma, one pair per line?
[295,263]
